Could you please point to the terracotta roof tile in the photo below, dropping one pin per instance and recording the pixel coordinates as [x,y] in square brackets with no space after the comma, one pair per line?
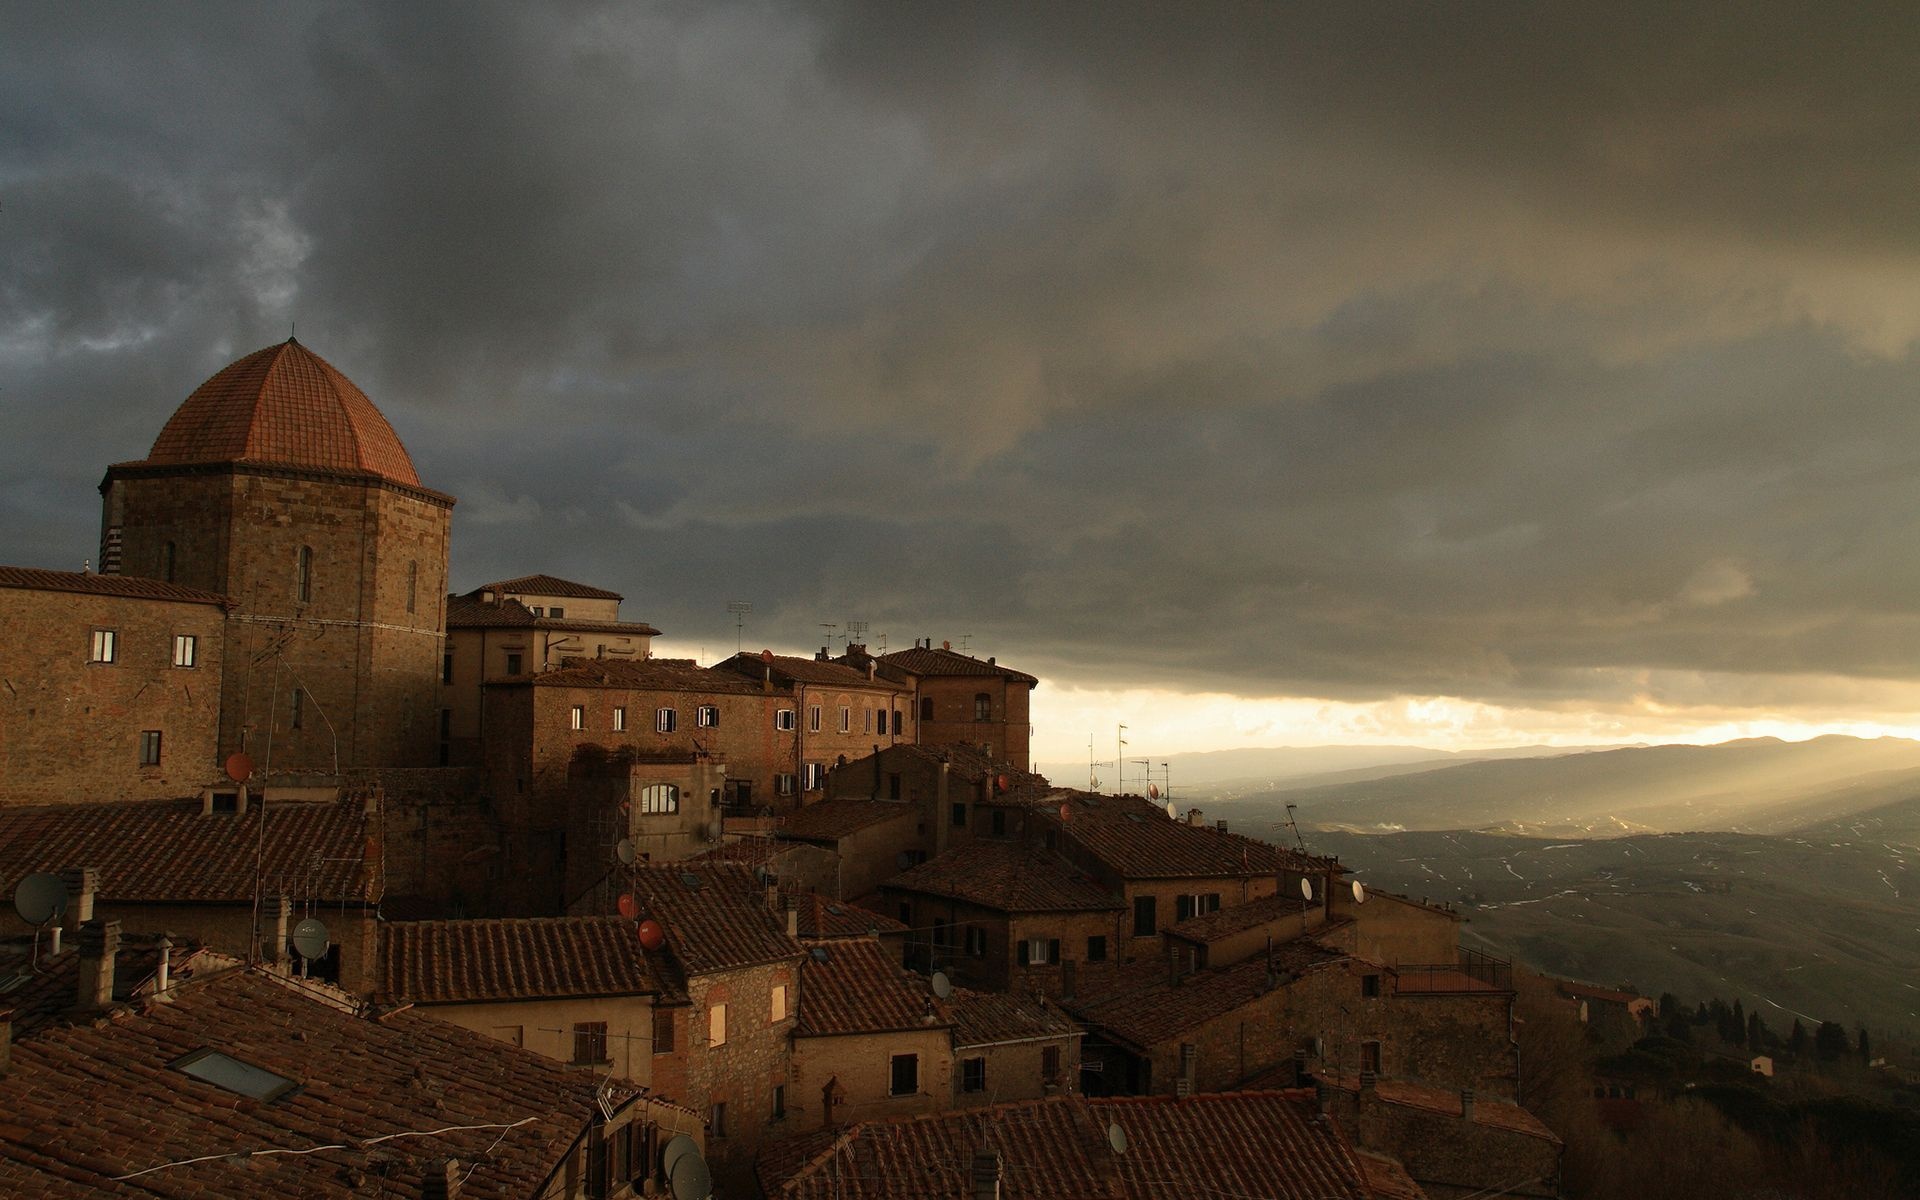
[1388,1179]
[857,985]
[1135,837]
[1490,1111]
[923,660]
[1267,1144]
[968,763]
[88,1102]
[651,674]
[547,585]
[166,850]
[1007,877]
[465,612]
[1142,1006]
[40,987]
[832,819]
[825,917]
[283,405]
[990,1018]
[434,962]
[794,668]
[34,579]
[716,915]
[1238,919]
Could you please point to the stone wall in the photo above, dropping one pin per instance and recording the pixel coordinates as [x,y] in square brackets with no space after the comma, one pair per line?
[858,1068]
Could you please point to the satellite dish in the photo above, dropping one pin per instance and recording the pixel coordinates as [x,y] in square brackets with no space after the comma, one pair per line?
[1306,889]
[652,937]
[942,986]
[714,829]
[690,1179]
[40,899]
[627,906]
[1117,1138]
[240,767]
[623,850]
[1066,811]
[1001,783]
[1359,892]
[766,656]
[946,645]
[1172,812]
[677,1148]
[1153,793]
[310,938]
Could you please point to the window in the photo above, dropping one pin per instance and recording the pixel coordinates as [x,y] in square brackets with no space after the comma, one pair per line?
[579,718]
[1370,1057]
[150,748]
[814,776]
[846,719]
[999,823]
[167,556]
[707,716]
[899,721]
[106,644]
[957,816]
[1197,905]
[299,717]
[663,1031]
[893,785]
[976,942]
[783,784]
[973,1074]
[1097,948]
[717,1025]
[1050,1064]
[982,706]
[717,1121]
[926,708]
[537,611]
[906,1075]
[226,803]
[303,575]
[186,650]
[1145,922]
[783,719]
[233,1075]
[867,727]
[666,720]
[620,718]
[1038,952]
[413,584]
[513,664]
[659,798]
[446,724]
[942,934]
[777,1003]
[779,1101]
[813,718]
[446,667]
[590,1043]
[556,612]
[1370,986]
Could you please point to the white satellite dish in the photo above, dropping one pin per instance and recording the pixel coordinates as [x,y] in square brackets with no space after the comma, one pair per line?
[1117,1138]
[40,899]
[714,830]
[1359,892]
[1306,889]
[623,850]
[942,986]
[1171,811]
[310,939]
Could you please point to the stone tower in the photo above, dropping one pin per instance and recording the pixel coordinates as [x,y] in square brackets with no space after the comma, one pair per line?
[280,485]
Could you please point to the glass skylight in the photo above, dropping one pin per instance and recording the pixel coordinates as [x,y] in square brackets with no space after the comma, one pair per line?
[225,1071]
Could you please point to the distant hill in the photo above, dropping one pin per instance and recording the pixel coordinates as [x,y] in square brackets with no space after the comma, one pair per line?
[1757,785]
[1256,769]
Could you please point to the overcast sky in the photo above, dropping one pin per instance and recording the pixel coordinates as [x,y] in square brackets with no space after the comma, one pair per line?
[1422,371]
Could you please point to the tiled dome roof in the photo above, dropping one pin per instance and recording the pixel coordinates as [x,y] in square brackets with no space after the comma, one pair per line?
[286,405]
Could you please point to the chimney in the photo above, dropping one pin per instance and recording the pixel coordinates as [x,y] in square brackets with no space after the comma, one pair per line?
[1184,1085]
[282,909]
[164,972]
[1221,825]
[442,1180]
[1300,1068]
[822,656]
[870,665]
[99,944]
[1466,1104]
[1194,817]
[1067,970]
[990,661]
[82,885]
[985,1179]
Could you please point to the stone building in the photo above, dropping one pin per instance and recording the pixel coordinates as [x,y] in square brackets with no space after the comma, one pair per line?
[842,713]
[279,485]
[872,1039]
[109,687]
[1010,1046]
[1453,1142]
[959,700]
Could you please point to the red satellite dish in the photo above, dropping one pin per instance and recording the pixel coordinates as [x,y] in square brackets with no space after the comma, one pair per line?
[651,935]
[766,656]
[1153,791]
[946,645]
[239,767]
[627,907]
[1066,811]
[1000,783]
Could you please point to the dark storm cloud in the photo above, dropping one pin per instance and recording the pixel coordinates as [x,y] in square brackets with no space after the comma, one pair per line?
[1498,351]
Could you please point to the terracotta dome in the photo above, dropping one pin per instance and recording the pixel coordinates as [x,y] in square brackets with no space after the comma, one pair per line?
[284,405]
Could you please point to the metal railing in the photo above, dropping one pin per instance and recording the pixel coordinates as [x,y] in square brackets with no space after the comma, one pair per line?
[1474,972]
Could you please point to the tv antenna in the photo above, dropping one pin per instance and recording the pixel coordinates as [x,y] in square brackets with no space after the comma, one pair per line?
[739,609]
[857,629]
[1292,825]
[1093,779]
[965,640]
[829,627]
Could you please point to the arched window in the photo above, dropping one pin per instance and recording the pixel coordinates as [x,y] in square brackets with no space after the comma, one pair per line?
[303,576]
[660,798]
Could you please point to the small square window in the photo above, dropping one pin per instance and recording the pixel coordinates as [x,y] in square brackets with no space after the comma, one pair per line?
[105,646]
[957,817]
[230,1074]
[150,748]
[556,612]
[868,726]
[783,784]
[976,942]
[620,719]
[186,650]
[579,718]
[783,719]
[1370,986]
[590,1043]
[846,719]
[982,707]
[513,664]
[813,777]
[905,1075]
[1145,922]
[973,1074]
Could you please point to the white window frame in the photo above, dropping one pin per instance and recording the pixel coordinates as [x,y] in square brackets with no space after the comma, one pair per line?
[783,783]
[666,720]
[813,776]
[578,718]
[186,651]
[105,647]
[620,718]
[707,716]
[783,719]
[658,799]
[154,738]
[813,718]
[846,719]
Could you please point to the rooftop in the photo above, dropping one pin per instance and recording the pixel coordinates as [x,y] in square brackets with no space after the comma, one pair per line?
[286,406]
[1007,877]
[40,990]
[1407,1093]
[794,668]
[466,612]
[646,675]
[167,851]
[546,585]
[830,820]
[825,917]
[34,579]
[1225,922]
[716,915]
[525,958]
[1136,839]
[926,660]
[1144,1007]
[89,1103]
[991,1018]
[857,985]
[1266,1144]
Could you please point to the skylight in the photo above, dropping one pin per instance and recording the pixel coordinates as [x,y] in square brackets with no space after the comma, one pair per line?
[225,1071]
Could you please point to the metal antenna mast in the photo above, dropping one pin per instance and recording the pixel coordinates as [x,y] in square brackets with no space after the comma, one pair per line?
[857,629]
[739,609]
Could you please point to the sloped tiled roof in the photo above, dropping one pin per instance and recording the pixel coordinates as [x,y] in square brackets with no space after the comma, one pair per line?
[857,985]
[715,914]
[925,660]
[35,579]
[166,851]
[1144,1007]
[804,670]
[1266,1144]
[89,1102]
[825,917]
[832,819]
[1226,922]
[968,763]
[990,1018]
[643,675]
[1490,1111]
[1135,837]
[283,405]
[465,612]
[1008,877]
[547,585]
[525,958]
[38,988]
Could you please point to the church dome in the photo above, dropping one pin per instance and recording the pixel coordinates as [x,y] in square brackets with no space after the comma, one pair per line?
[287,406]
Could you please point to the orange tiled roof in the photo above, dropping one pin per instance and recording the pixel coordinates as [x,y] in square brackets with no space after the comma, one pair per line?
[645,675]
[804,670]
[88,1102]
[1135,837]
[925,660]
[1268,1144]
[547,585]
[832,819]
[857,985]
[1144,1007]
[284,405]
[39,990]
[968,763]
[152,851]
[34,579]
[1388,1179]
[465,612]
[716,915]
[1408,1093]
[825,917]
[526,958]
[1226,922]
[990,1018]
[1007,877]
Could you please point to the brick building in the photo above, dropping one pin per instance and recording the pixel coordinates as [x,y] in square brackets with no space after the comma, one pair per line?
[279,485]
[1010,1046]
[111,687]
[842,713]
[959,700]
[872,1039]
[1453,1142]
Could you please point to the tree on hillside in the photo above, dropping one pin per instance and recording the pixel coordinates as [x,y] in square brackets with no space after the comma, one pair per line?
[1669,1005]
[1830,1040]
[1866,1053]
[1758,1035]
[1739,1037]
[1797,1040]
